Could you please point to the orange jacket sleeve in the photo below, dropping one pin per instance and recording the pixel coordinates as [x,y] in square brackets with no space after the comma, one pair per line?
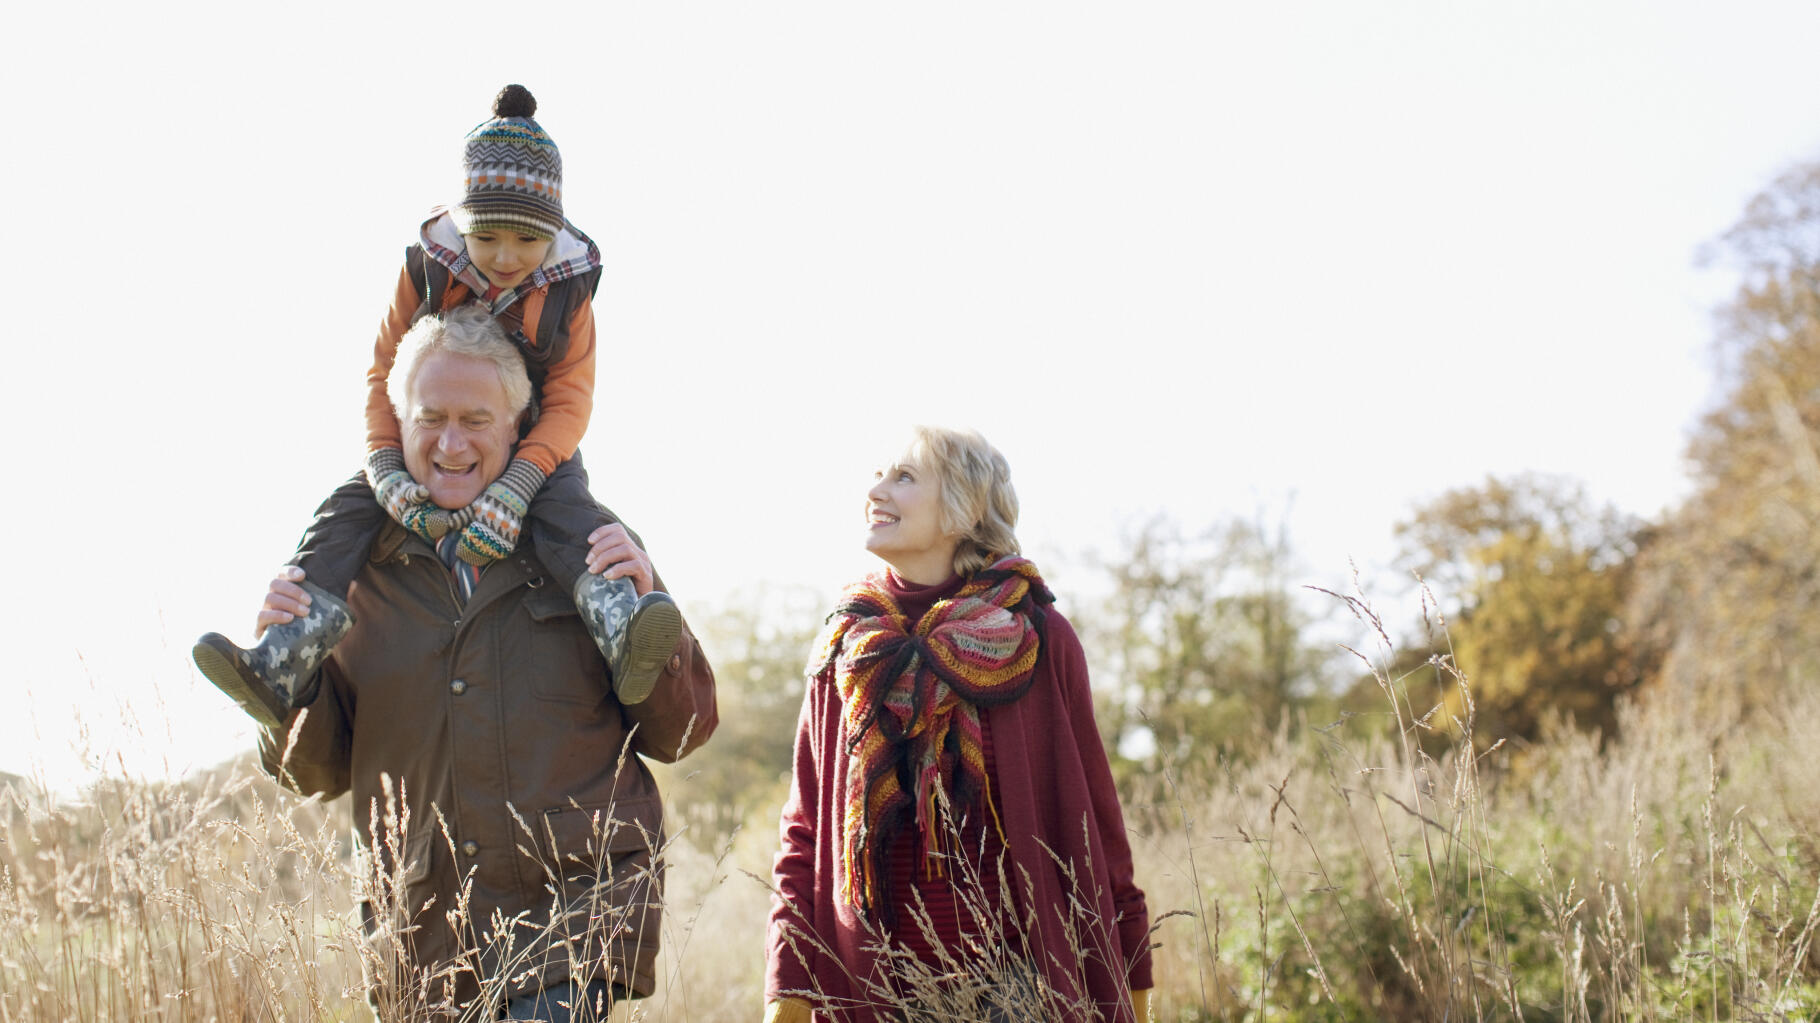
[568,389]
[382,421]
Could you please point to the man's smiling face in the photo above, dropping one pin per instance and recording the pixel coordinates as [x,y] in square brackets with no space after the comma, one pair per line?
[459,433]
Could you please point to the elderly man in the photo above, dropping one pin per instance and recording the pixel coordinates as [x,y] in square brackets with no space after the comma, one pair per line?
[507,815]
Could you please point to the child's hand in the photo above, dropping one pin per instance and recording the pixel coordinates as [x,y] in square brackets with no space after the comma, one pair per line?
[399,493]
[393,487]
[497,517]
[432,522]
[285,601]
[498,514]
[615,556]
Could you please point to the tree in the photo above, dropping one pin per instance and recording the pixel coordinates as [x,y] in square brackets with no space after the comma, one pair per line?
[1732,588]
[1537,581]
[1200,643]
[759,645]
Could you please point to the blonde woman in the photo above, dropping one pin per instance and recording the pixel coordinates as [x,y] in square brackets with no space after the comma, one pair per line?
[952,844]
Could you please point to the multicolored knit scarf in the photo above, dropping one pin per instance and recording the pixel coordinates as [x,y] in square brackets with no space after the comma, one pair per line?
[911,696]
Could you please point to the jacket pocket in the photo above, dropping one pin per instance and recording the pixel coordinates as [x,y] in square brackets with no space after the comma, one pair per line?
[399,932]
[607,874]
[584,838]
[394,891]
[560,662]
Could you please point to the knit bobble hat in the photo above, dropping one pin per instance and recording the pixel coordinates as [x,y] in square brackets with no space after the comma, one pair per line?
[512,171]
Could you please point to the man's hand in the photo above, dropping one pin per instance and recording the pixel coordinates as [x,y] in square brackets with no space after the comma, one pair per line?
[615,556]
[285,601]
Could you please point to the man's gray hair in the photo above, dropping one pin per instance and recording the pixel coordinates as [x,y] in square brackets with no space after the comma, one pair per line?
[469,330]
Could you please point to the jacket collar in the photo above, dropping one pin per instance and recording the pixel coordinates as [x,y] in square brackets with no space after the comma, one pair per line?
[398,545]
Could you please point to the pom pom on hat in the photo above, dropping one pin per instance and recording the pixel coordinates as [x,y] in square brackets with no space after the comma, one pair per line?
[514,101]
[512,171]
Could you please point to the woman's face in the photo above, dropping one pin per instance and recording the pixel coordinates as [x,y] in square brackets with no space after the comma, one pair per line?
[904,523]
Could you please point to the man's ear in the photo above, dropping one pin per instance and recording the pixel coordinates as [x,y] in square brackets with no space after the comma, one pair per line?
[527,418]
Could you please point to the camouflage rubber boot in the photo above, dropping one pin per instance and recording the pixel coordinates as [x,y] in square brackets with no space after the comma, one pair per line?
[635,634]
[265,680]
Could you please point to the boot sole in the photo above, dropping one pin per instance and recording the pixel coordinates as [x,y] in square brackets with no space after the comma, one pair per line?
[220,667]
[651,638]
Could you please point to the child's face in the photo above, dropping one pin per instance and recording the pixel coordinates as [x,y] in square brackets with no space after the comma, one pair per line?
[506,258]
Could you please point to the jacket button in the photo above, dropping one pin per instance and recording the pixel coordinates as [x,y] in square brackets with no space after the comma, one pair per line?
[675,664]
[458,686]
[470,848]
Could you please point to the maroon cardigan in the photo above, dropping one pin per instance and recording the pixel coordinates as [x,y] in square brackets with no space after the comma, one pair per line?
[1054,793]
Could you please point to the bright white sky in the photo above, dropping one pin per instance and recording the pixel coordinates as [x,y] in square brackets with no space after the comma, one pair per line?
[1193,258]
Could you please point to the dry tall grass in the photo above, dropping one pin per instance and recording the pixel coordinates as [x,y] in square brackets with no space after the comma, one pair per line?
[1349,871]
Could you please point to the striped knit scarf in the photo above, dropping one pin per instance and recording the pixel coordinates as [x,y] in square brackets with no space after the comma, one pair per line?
[911,695]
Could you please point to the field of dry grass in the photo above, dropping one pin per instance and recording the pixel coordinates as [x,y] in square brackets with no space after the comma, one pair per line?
[1360,869]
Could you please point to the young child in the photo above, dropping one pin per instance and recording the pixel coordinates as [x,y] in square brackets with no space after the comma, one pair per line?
[506,245]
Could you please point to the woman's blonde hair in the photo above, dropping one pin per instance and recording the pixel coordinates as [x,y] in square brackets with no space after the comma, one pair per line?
[978,502]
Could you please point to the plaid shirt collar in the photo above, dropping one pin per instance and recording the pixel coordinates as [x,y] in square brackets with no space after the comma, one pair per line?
[573,255]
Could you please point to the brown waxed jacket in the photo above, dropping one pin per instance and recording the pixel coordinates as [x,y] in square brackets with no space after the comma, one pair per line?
[522,775]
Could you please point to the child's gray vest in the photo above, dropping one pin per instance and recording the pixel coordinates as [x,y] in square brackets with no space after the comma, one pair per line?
[432,279]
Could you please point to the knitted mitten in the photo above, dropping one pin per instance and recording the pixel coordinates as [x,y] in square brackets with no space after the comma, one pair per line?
[406,500]
[392,484]
[499,514]
[431,522]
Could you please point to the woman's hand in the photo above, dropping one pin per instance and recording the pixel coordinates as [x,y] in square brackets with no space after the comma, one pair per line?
[615,556]
[285,601]
[788,1010]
